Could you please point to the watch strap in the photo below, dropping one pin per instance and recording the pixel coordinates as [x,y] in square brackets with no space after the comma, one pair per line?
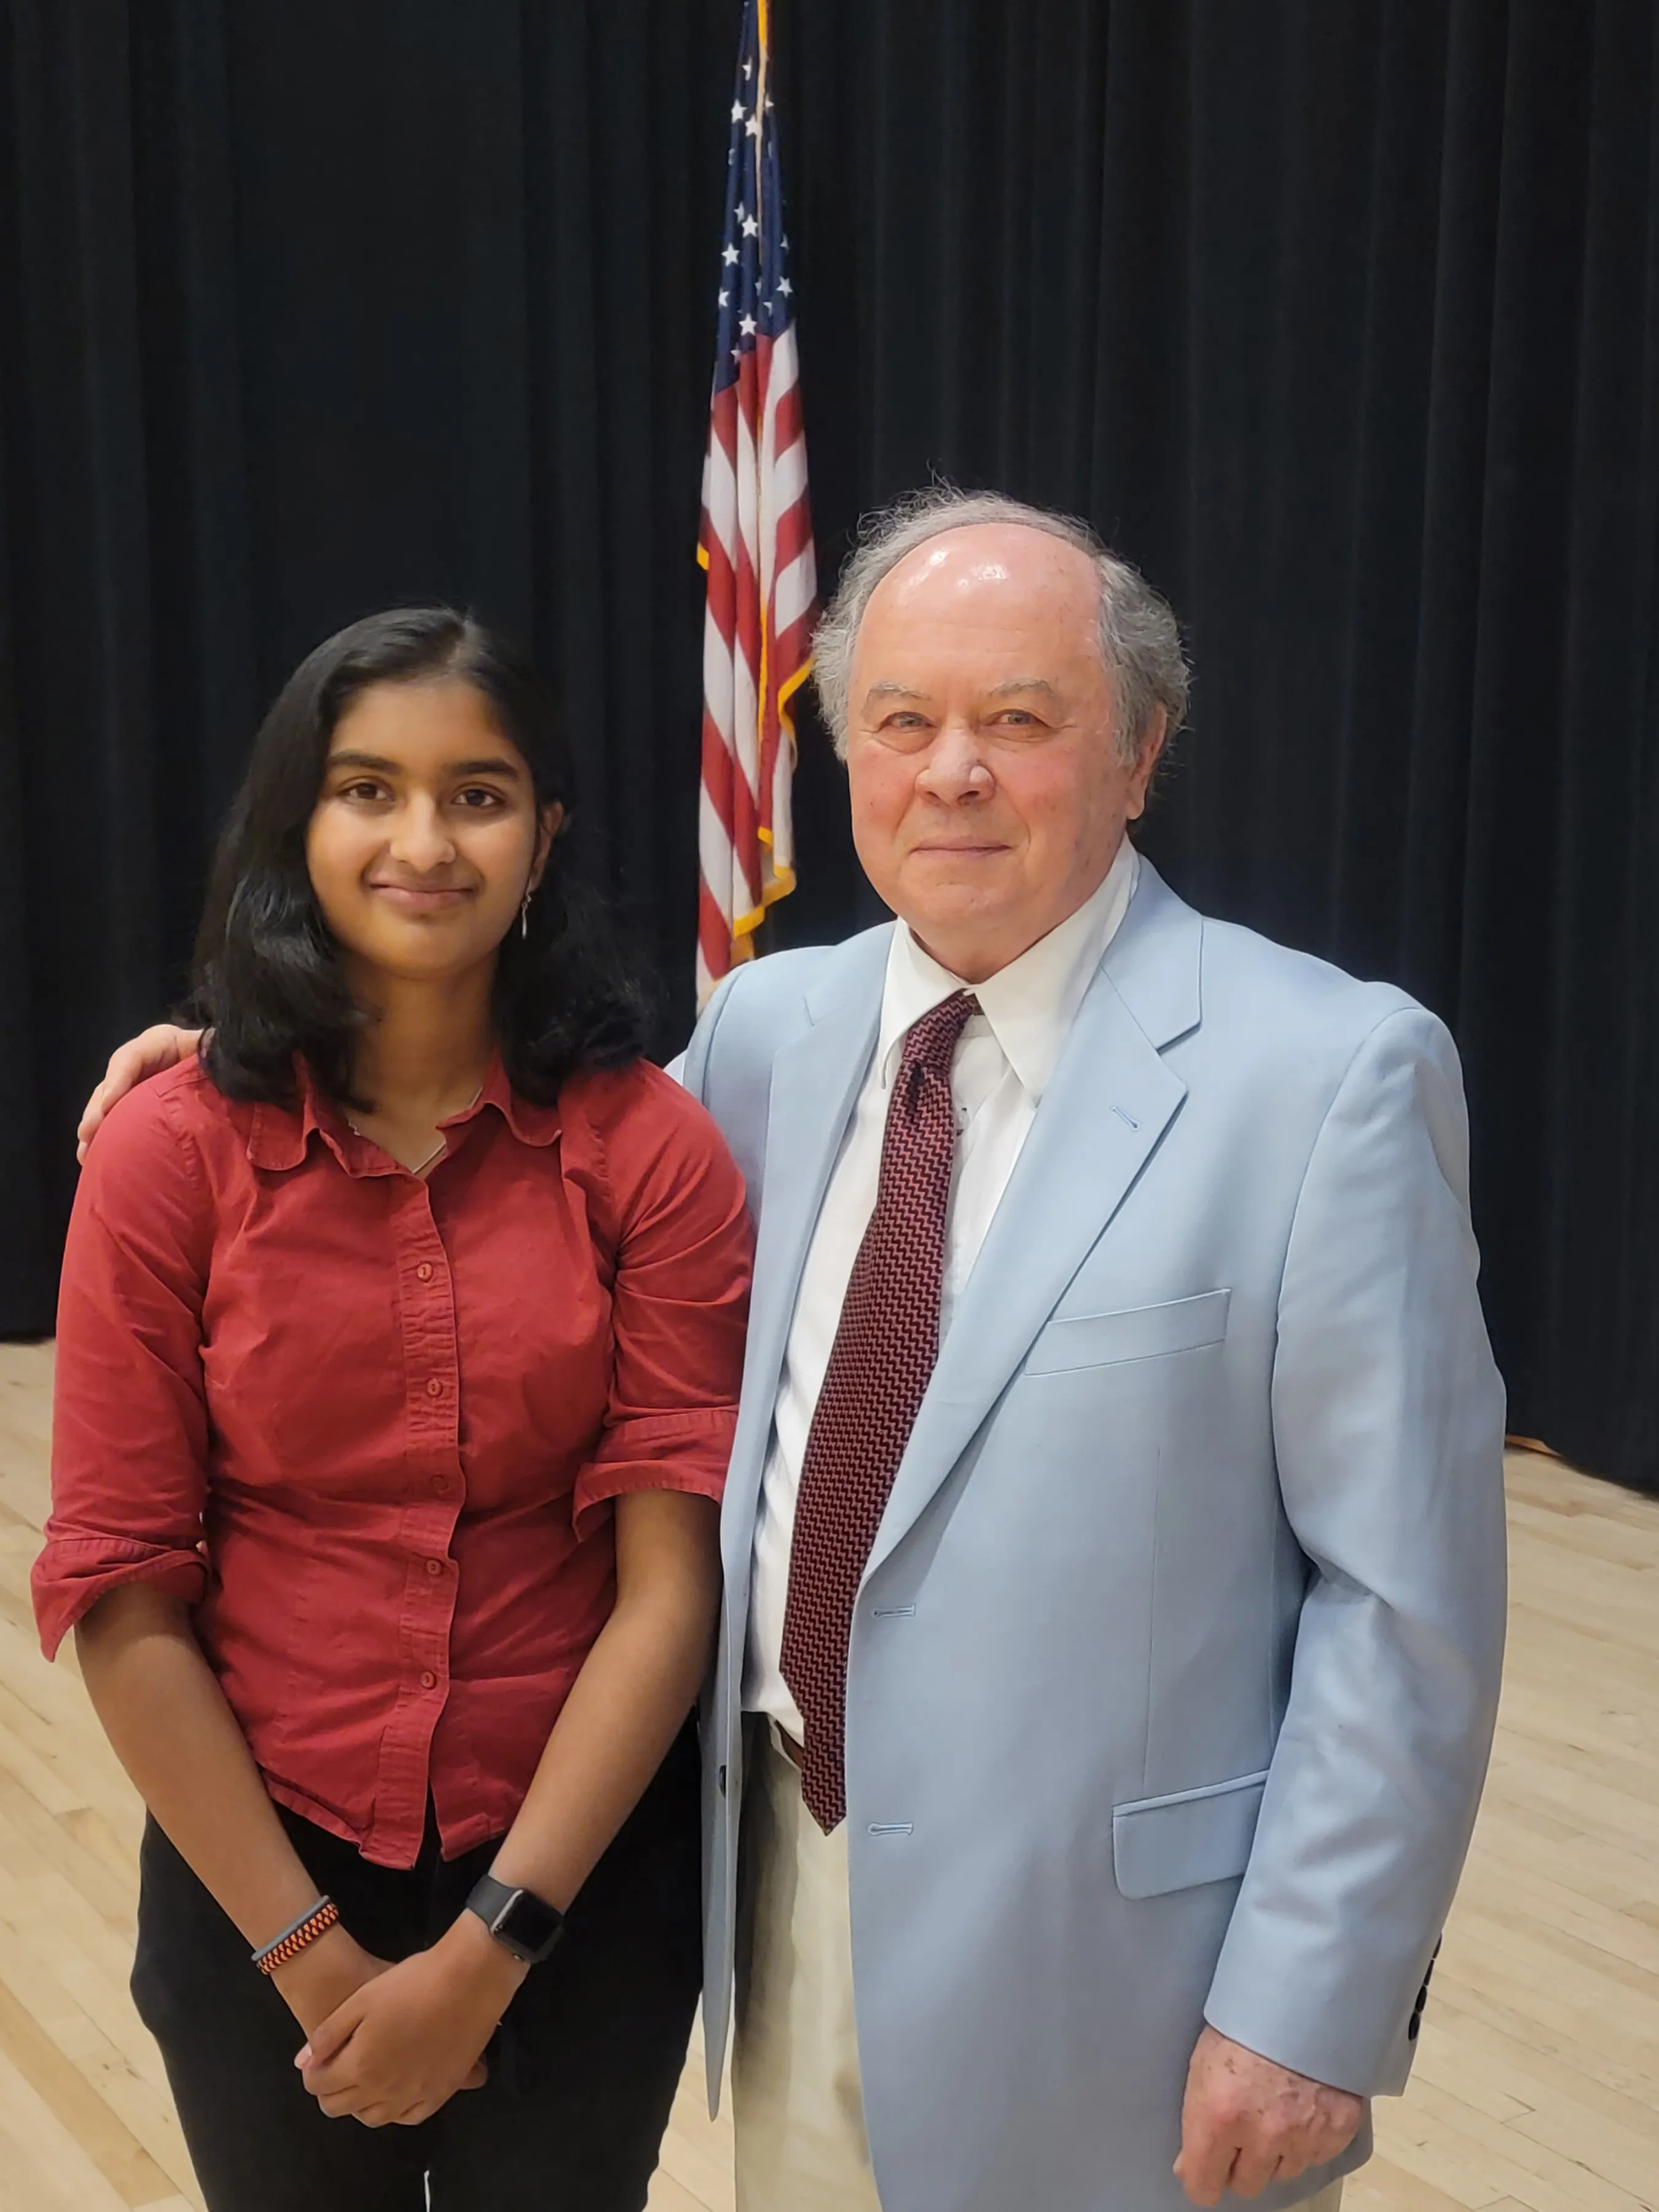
[499,1904]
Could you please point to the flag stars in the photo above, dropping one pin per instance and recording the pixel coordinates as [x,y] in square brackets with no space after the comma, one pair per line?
[749,326]
[730,257]
[785,288]
[750,228]
[739,110]
[753,126]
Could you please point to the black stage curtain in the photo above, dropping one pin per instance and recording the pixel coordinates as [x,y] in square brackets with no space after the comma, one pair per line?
[1342,321]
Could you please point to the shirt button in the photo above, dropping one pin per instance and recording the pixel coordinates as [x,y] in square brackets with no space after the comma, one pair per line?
[434,1389]
[428,1680]
[435,1566]
[424,1271]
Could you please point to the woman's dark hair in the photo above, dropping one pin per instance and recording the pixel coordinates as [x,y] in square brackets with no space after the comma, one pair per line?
[268,981]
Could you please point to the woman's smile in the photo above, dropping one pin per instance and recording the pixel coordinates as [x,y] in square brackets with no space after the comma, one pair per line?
[423,899]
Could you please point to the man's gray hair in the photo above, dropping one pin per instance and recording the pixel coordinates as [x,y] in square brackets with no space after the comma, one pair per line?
[1140,637]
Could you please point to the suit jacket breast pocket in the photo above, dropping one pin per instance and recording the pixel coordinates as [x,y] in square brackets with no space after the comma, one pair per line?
[1104,1339]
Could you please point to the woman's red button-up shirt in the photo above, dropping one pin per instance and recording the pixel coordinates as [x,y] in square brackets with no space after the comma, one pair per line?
[370,1426]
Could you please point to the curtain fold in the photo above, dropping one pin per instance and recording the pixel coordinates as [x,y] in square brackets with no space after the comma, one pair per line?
[1343,323]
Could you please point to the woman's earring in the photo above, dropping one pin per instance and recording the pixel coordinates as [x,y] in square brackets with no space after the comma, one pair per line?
[524,916]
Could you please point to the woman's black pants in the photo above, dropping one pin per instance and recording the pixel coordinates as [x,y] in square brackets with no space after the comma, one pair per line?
[582,2071]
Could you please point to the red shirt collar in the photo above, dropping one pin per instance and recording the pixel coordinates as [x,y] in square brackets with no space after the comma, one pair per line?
[281,1136]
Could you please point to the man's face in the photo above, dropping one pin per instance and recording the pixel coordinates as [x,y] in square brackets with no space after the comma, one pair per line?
[988,796]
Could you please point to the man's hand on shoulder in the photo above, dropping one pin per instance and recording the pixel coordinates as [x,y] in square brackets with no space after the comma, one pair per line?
[130,1065]
[1247,2122]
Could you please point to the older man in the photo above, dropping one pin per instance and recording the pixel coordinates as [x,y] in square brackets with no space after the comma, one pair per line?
[1113,1538]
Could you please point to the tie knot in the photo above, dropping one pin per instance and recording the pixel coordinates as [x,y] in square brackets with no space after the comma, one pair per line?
[930,1042]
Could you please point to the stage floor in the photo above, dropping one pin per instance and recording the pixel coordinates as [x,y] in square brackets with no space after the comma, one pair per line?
[1537,2083]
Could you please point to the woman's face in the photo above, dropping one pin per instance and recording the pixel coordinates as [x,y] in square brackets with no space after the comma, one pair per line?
[426,834]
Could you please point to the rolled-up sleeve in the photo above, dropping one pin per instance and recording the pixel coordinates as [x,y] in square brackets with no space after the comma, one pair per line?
[130,1426]
[680,1304]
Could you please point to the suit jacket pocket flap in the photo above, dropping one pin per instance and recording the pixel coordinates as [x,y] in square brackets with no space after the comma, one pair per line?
[1136,1332]
[1161,1843]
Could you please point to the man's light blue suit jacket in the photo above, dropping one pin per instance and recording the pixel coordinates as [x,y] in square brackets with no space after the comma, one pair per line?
[1174,1667]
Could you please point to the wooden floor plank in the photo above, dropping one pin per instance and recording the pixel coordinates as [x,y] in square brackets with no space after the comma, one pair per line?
[45,2169]
[1383,2187]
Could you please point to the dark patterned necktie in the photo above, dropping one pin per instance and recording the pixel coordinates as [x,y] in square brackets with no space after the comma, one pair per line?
[883,1356]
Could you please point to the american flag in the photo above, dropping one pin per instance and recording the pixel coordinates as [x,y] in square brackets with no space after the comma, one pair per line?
[755,543]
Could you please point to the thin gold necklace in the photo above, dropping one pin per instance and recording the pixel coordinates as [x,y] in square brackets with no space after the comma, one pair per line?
[442,1144]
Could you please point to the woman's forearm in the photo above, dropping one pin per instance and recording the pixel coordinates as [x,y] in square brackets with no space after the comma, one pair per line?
[630,1700]
[627,1706]
[172,1729]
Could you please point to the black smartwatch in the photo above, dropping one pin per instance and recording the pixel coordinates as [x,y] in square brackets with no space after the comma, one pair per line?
[520,1921]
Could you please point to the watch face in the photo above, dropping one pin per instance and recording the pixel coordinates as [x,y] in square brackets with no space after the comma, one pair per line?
[528,1923]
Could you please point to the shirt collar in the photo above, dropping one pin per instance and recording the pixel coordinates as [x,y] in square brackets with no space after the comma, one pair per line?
[1028,1006]
[281,1135]
[531,1124]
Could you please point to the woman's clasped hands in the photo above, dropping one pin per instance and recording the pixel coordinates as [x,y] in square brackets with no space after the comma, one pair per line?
[399,2043]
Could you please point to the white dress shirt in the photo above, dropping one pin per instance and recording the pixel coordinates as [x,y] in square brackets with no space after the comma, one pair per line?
[1002,1066]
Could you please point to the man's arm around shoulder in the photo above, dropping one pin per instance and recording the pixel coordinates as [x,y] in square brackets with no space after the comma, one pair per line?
[151,1053]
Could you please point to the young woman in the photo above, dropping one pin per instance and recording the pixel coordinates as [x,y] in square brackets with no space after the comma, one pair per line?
[397,1361]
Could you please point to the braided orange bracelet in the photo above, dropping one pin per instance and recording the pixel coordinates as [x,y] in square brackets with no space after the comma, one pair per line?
[288,1945]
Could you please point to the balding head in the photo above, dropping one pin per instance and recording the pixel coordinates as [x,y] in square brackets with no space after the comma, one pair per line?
[1001,577]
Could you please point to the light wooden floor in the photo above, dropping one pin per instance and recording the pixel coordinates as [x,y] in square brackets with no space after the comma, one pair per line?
[1537,2084]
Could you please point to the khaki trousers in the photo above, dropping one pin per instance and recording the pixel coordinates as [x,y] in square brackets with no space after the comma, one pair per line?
[797,2104]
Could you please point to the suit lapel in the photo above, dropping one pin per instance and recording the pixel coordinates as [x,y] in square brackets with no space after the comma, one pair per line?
[814,1086]
[1109,1100]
